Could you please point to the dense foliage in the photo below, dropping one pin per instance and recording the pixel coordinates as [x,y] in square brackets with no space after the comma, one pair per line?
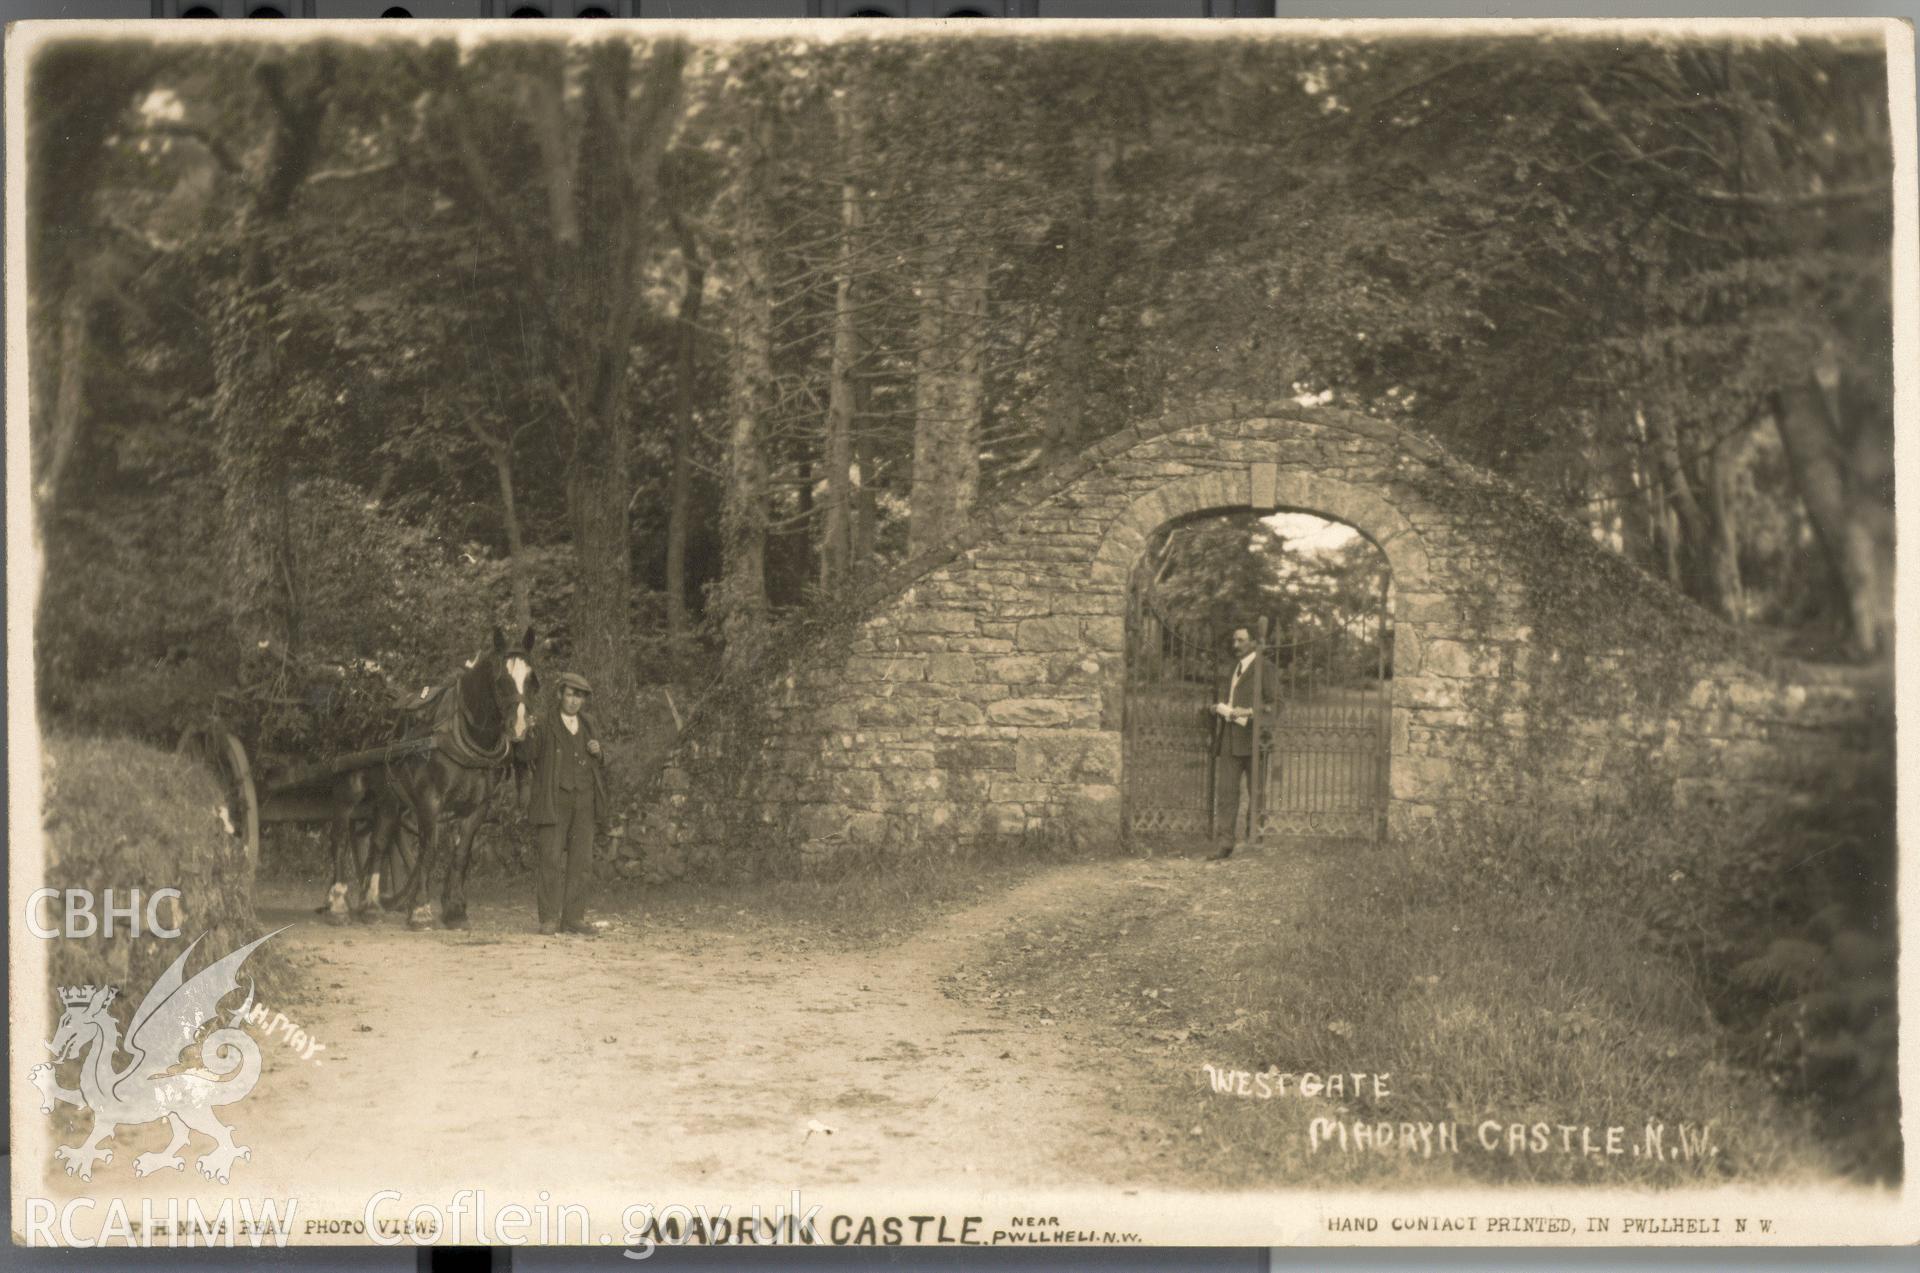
[1788,924]
[348,351]
[1323,596]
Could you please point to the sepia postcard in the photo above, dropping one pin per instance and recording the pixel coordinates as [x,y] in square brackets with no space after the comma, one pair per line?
[646,634]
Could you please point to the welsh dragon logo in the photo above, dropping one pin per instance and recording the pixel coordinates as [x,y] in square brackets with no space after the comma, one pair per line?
[154,1085]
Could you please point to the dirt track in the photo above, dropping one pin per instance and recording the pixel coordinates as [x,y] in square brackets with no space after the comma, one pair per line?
[668,1053]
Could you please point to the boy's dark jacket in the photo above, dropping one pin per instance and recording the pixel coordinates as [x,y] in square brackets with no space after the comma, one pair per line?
[542,738]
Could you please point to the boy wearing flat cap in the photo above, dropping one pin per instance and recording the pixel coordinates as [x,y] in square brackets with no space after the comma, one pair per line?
[569,801]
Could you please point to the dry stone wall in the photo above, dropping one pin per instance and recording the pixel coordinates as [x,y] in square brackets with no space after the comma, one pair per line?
[982,694]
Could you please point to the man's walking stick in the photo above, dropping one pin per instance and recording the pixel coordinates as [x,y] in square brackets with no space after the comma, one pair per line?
[1213,774]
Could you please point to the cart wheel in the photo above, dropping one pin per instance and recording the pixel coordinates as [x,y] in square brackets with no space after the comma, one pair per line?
[222,753]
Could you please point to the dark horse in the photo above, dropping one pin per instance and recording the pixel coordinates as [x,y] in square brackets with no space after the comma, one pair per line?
[474,724]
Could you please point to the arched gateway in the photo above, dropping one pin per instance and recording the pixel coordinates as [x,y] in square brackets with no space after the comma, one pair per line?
[1320,692]
[982,691]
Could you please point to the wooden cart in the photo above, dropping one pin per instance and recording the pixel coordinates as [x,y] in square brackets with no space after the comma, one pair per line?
[284,792]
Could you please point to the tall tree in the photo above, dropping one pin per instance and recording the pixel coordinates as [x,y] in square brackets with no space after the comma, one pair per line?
[949,392]
[680,476]
[743,510]
[836,533]
[583,264]
[250,405]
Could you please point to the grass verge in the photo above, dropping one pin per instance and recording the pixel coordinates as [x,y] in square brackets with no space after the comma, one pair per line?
[1483,1006]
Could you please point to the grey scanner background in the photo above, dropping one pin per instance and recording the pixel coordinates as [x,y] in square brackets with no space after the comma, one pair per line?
[1346,1260]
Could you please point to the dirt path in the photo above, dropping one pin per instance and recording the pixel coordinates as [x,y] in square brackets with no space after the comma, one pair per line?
[669,1054]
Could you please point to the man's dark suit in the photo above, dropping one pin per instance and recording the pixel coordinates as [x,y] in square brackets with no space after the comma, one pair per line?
[1233,743]
[569,800]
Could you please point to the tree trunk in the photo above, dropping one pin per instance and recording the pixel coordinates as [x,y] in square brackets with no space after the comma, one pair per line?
[948,397]
[1844,489]
[603,586]
[1090,278]
[250,401]
[1723,545]
[836,532]
[1708,554]
[516,554]
[1630,507]
[866,506]
[743,510]
[680,479]
[1803,416]
[617,177]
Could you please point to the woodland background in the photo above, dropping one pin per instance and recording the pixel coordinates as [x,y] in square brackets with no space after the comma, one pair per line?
[344,351]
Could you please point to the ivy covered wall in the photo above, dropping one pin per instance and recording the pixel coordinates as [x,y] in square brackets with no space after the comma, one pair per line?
[978,690]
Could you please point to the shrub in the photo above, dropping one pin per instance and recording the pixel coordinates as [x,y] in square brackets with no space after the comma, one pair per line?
[121,815]
[1784,912]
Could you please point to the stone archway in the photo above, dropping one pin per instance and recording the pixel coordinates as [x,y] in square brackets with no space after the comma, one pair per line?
[1261,487]
[980,693]
[1321,689]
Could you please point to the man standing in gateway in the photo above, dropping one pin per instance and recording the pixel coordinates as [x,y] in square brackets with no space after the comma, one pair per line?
[1245,689]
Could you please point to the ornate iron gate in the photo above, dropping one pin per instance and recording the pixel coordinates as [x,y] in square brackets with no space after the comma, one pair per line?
[1323,768]
[1324,763]
[1167,751]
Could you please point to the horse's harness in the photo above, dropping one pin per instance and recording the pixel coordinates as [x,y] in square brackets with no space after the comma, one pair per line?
[452,734]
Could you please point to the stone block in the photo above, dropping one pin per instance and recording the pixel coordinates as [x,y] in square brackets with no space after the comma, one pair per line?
[1070,669]
[882,713]
[867,828]
[1069,756]
[1421,777]
[1030,711]
[981,644]
[1090,711]
[1003,819]
[959,714]
[900,758]
[1086,600]
[1428,607]
[951,668]
[977,755]
[1461,659]
[907,668]
[913,784]
[970,789]
[817,822]
[1047,635]
[1409,650]
[1017,669]
[929,620]
[856,786]
[1092,814]
[1107,633]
